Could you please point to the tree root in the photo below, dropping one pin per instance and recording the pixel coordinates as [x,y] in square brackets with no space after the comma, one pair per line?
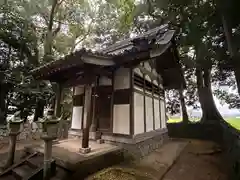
[207,152]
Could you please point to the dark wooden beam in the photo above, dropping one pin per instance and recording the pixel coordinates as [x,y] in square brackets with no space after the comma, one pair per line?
[112,102]
[83,78]
[131,102]
[102,61]
[160,104]
[88,96]
[153,108]
[144,103]
[84,99]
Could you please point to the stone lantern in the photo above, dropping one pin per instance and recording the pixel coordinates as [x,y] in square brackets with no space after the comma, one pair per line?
[49,131]
[15,125]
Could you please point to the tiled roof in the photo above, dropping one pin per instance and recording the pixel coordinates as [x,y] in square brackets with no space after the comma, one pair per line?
[155,37]
[156,33]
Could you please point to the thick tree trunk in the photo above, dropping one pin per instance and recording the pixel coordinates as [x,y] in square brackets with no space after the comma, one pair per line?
[183,106]
[232,50]
[50,34]
[236,70]
[209,109]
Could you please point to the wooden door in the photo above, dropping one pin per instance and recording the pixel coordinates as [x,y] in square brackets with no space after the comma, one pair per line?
[103,107]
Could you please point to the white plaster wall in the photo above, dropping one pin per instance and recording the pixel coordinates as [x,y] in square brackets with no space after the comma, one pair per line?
[105,81]
[121,119]
[156,114]
[149,114]
[163,114]
[122,78]
[77,117]
[138,113]
[77,110]
[78,90]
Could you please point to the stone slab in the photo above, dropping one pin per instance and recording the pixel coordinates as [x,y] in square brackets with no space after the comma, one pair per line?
[84,150]
[67,155]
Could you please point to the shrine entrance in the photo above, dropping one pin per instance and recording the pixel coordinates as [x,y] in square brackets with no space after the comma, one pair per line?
[103,106]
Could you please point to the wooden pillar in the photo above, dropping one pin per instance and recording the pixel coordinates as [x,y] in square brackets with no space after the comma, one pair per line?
[86,124]
[160,115]
[144,103]
[57,110]
[93,127]
[153,106]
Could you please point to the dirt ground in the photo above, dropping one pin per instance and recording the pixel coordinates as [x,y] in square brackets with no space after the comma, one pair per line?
[19,153]
[200,160]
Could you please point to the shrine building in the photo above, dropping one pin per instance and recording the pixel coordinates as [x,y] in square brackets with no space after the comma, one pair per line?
[118,91]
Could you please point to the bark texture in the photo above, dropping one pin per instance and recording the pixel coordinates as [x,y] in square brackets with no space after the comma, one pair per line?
[232,50]
[209,109]
[183,106]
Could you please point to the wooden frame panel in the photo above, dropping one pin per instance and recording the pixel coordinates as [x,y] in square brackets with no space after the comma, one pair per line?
[144,103]
[131,102]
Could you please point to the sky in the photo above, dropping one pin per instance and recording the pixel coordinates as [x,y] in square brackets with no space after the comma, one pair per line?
[223,109]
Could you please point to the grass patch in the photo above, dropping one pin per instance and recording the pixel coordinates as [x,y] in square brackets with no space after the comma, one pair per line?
[177,120]
[234,122]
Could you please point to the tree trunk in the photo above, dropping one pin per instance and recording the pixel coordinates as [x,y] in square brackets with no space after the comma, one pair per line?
[232,50]
[50,34]
[183,106]
[236,70]
[209,109]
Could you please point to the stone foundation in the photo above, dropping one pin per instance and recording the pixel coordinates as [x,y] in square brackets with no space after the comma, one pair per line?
[78,133]
[208,131]
[139,145]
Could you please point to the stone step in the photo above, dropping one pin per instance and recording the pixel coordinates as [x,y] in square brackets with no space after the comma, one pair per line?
[23,170]
[61,173]
[20,169]
[38,160]
[8,177]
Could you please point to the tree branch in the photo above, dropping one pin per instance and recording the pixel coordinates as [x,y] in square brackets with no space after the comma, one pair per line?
[55,32]
[159,17]
[83,38]
[50,25]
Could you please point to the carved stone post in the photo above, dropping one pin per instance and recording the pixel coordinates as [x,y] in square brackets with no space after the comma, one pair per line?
[14,128]
[49,127]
